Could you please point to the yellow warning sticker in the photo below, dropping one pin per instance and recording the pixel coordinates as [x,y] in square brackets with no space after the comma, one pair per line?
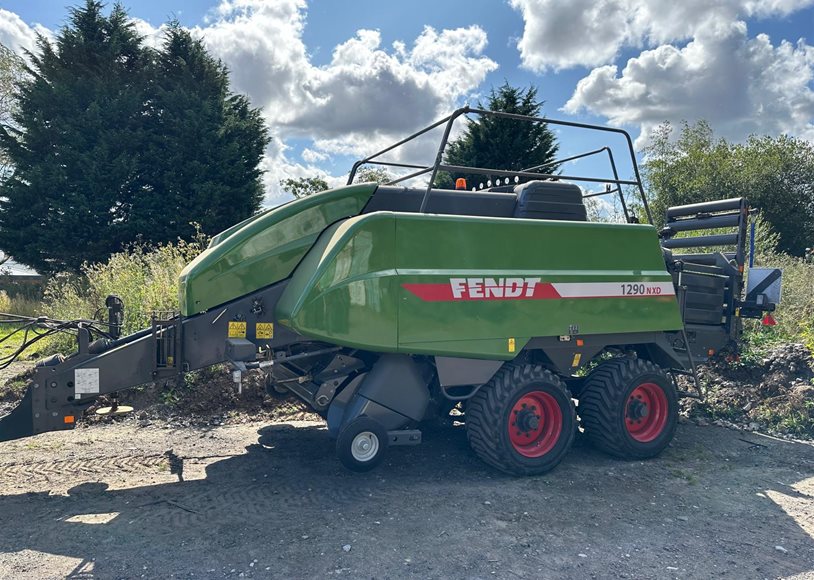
[237,329]
[577,358]
[264,330]
[512,345]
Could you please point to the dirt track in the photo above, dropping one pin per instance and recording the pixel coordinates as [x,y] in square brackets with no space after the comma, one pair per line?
[110,502]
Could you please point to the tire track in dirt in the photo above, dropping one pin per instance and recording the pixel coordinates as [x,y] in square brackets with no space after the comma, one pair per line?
[169,506]
[47,470]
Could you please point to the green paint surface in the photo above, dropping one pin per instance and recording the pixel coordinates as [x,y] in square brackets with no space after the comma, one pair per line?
[265,249]
[348,289]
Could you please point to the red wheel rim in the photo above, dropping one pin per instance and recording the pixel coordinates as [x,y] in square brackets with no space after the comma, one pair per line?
[535,424]
[646,412]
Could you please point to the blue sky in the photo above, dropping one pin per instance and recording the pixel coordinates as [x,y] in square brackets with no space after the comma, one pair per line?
[328,74]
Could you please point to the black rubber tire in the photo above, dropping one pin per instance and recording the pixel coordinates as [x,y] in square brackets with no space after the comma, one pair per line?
[345,441]
[603,407]
[488,416]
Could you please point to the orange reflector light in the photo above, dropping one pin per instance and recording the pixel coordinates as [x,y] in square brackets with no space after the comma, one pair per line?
[69,419]
[460,183]
[711,352]
[580,342]
[768,320]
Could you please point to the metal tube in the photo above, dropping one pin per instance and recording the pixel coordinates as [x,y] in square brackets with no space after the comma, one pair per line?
[708,259]
[402,142]
[701,241]
[449,120]
[566,160]
[395,164]
[598,193]
[616,177]
[410,176]
[704,207]
[440,155]
[752,244]
[708,223]
[508,173]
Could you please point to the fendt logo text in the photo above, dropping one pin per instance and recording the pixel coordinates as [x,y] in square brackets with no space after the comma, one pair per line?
[485,288]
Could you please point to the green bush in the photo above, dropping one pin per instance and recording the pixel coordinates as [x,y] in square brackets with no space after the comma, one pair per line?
[145,278]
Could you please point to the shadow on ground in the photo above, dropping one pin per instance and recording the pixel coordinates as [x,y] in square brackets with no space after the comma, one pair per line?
[714,505]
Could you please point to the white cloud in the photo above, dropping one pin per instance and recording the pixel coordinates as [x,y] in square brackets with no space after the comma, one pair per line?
[367,95]
[310,156]
[741,85]
[17,35]
[365,89]
[592,32]
[153,37]
[696,61]
[261,44]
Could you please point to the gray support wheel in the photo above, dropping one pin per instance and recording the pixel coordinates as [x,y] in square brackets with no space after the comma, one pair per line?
[522,421]
[629,408]
[362,444]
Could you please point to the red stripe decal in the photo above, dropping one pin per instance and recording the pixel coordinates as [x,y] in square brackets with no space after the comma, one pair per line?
[444,292]
[430,292]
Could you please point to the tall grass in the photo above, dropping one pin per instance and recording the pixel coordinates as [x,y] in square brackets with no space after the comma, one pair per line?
[20,304]
[144,277]
[795,313]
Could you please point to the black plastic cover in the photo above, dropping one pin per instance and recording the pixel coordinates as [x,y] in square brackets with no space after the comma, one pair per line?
[399,383]
[550,200]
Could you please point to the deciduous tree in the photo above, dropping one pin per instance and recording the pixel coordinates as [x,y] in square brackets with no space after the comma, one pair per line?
[776,175]
[303,186]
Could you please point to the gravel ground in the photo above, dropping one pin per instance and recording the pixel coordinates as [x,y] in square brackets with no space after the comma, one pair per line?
[262,501]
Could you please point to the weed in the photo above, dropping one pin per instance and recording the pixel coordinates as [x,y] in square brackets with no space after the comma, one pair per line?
[795,314]
[145,278]
[684,474]
[19,304]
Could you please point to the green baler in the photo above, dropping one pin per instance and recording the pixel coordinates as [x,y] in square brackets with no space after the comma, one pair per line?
[382,306]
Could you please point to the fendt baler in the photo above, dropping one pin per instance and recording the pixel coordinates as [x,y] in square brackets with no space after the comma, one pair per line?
[383,305]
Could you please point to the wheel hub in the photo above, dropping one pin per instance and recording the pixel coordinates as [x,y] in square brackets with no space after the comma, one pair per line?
[527,420]
[637,410]
[646,413]
[365,446]
[535,424]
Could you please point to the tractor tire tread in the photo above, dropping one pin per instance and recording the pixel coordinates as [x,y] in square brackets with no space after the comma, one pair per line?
[598,400]
[484,423]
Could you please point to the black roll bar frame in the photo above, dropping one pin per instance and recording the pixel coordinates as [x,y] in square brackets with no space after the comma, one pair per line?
[531,172]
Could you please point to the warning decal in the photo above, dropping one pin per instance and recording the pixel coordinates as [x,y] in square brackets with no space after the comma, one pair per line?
[237,329]
[264,330]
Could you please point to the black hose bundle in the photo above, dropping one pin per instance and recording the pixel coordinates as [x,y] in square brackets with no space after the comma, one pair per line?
[34,330]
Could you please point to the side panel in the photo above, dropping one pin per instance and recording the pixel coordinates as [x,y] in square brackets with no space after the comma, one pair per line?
[266,249]
[459,277]
[345,289]
[477,287]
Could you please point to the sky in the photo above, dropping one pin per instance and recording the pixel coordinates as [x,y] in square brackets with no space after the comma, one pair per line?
[340,79]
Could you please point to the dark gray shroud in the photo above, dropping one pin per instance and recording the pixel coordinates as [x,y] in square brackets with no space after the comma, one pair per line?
[133,361]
